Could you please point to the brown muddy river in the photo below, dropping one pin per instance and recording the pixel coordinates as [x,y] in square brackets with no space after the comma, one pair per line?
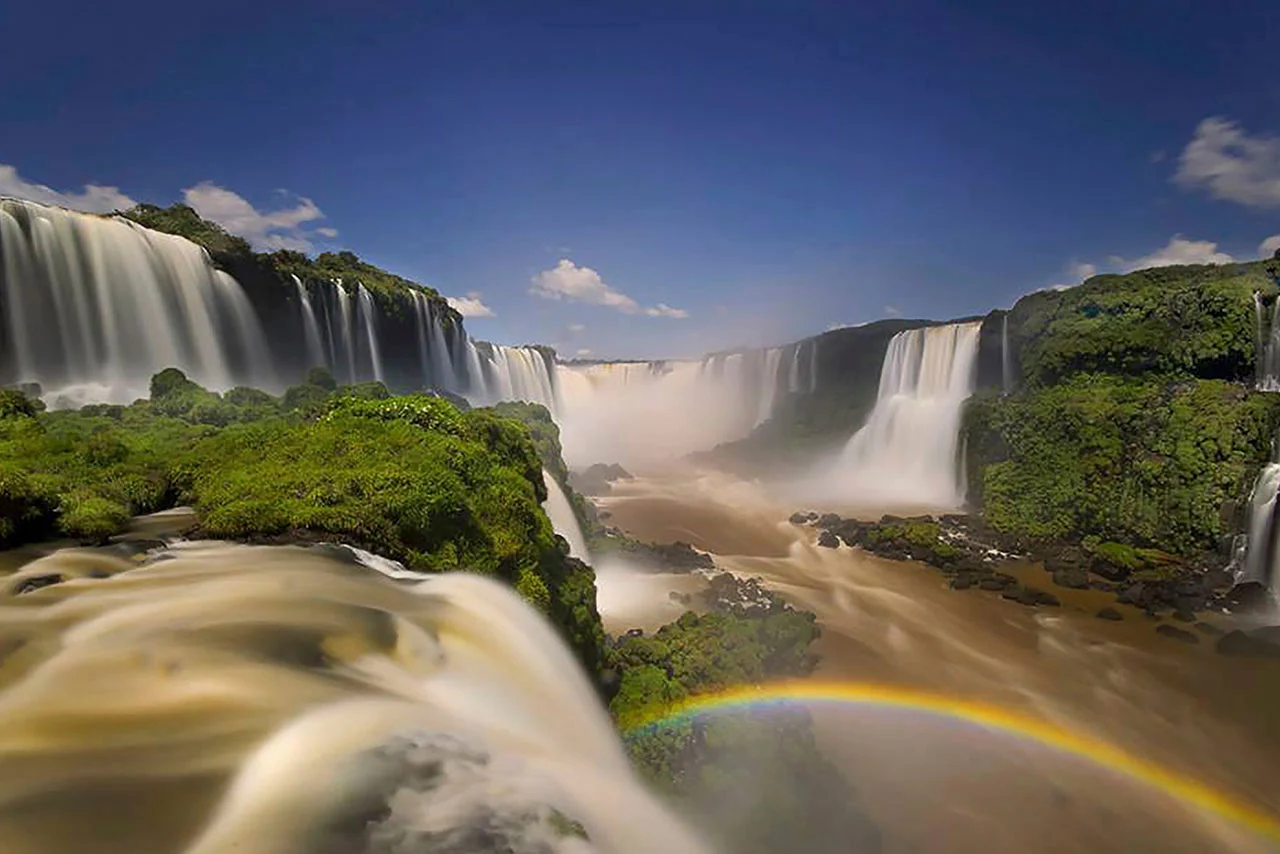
[934,782]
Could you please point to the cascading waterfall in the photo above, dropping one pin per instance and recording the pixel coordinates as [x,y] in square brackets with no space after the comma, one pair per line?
[1006,358]
[642,412]
[1262,547]
[121,302]
[1268,345]
[368,313]
[906,453]
[224,699]
[310,325]
[510,373]
[563,519]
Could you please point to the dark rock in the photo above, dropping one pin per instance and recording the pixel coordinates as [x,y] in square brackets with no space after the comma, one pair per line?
[828,540]
[1135,594]
[682,598]
[730,594]
[1208,629]
[633,633]
[829,520]
[37,582]
[1109,614]
[962,581]
[1248,645]
[1030,596]
[1074,577]
[1249,596]
[1184,616]
[800,518]
[992,584]
[1108,570]
[1177,634]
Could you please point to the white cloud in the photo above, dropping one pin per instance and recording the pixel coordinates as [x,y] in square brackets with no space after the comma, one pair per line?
[1269,246]
[664,310]
[280,229]
[470,305]
[1082,271]
[1225,160]
[575,328]
[892,311]
[1179,250]
[94,198]
[583,353]
[327,232]
[567,281]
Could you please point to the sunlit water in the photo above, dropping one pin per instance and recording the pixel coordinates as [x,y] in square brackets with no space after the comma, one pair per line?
[221,699]
[939,785]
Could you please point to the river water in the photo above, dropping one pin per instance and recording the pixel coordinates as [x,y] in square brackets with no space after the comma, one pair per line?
[933,782]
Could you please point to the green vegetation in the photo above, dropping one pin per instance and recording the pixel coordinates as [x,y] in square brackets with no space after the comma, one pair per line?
[1141,462]
[1195,321]
[759,772]
[183,221]
[393,293]
[412,478]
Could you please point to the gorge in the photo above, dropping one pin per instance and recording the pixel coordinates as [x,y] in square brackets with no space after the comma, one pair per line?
[1110,438]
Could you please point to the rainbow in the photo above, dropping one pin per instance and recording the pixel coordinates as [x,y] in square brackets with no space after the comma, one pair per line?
[985,715]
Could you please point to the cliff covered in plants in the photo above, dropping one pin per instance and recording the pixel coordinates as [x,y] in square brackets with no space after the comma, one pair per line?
[1134,415]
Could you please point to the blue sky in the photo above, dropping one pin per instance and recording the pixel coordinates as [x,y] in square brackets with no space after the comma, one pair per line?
[596,170]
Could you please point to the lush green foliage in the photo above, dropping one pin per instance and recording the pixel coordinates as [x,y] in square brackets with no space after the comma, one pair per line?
[183,221]
[412,478]
[1177,321]
[1145,463]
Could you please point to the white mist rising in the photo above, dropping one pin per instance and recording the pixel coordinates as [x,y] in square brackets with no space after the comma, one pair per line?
[906,455]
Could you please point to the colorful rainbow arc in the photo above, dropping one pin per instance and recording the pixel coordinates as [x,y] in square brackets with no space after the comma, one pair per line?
[980,714]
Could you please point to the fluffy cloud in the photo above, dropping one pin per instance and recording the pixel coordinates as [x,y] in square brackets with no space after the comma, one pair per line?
[470,305]
[1178,250]
[664,310]
[1223,159]
[281,229]
[1269,246]
[567,281]
[94,198]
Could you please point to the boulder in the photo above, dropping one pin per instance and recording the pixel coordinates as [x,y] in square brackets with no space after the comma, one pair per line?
[800,517]
[1109,614]
[1074,577]
[1184,616]
[1030,596]
[1248,645]
[1108,570]
[962,581]
[1175,633]
[1249,596]
[828,540]
[829,520]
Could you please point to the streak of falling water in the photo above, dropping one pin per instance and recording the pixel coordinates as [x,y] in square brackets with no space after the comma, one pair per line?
[223,699]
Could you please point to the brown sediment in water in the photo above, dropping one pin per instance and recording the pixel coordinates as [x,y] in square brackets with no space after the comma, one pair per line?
[937,785]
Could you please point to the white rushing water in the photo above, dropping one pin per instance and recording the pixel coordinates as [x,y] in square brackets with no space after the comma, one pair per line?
[636,413]
[906,454]
[563,519]
[273,700]
[93,306]
[1262,549]
[1268,338]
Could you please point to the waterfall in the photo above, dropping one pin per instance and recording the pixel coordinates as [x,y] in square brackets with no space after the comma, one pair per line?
[346,326]
[310,326]
[368,311]
[93,306]
[1006,358]
[274,700]
[510,373]
[1262,546]
[906,453]
[433,352]
[1268,354]
[563,519]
